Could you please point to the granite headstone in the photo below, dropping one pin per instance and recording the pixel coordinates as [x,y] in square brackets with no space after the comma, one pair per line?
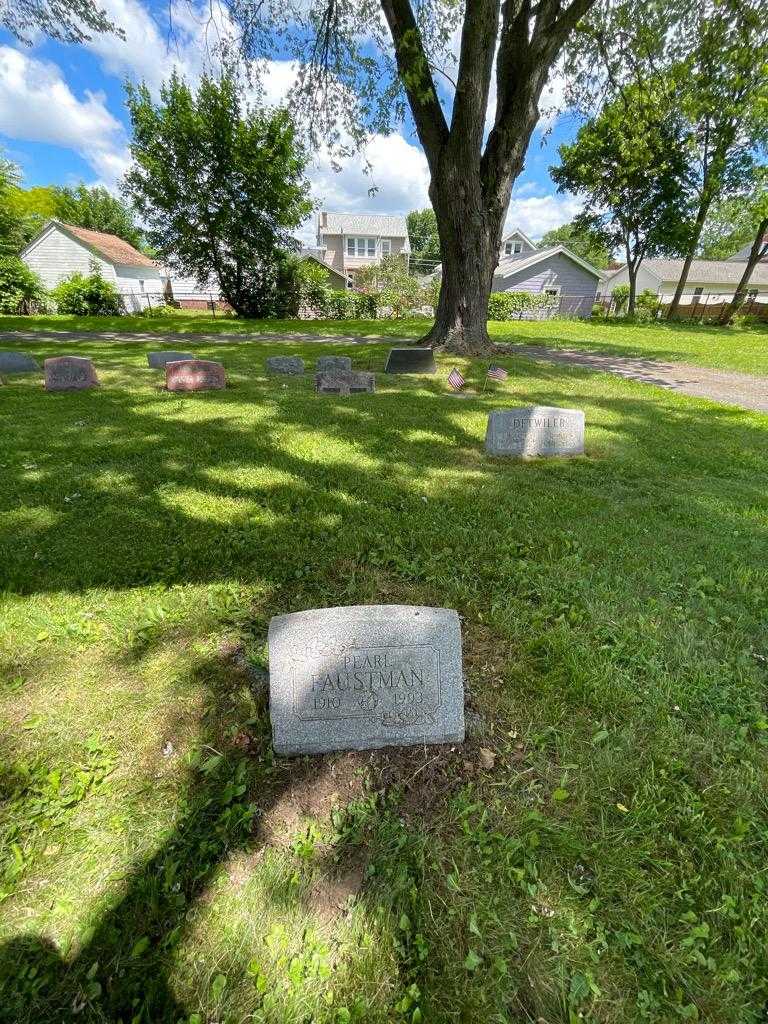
[291,365]
[325,363]
[341,382]
[411,360]
[69,373]
[365,676]
[194,375]
[158,360]
[535,430]
[17,362]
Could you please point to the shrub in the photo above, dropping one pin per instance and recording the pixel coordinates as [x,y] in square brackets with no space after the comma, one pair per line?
[346,305]
[599,312]
[394,287]
[642,315]
[620,296]
[747,320]
[649,300]
[87,295]
[510,305]
[151,311]
[21,290]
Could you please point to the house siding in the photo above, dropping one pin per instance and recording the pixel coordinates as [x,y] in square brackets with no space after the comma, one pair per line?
[666,289]
[336,251]
[526,250]
[578,287]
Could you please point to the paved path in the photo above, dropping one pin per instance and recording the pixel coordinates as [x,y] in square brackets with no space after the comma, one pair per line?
[726,386]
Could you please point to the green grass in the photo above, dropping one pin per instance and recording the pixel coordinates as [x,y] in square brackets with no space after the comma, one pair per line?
[718,347]
[602,859]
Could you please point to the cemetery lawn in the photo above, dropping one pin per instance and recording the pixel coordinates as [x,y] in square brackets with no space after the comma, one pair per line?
[595,852]
[744,350]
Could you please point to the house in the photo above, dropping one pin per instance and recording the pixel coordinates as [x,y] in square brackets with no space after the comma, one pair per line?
[189,293]
[61,250]
[336,279]
[743,254]
[710,283]
[348,242]
[569,281]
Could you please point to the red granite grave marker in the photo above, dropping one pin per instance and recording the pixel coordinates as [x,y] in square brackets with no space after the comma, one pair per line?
[194,375]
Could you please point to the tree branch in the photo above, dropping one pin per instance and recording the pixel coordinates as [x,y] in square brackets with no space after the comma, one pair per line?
[415,74]
[478,45]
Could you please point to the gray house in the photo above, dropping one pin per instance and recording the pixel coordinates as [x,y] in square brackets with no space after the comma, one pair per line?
[566,278]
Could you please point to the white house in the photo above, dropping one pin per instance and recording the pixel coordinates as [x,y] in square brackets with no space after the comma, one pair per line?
[61,250]
[710,282]
[347,242]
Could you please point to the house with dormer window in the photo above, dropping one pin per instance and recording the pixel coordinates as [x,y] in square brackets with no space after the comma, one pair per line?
[347,242]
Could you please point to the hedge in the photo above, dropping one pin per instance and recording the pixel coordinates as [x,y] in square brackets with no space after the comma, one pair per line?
[509,305]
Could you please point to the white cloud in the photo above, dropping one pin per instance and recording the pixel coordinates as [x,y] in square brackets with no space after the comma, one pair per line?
[37,105]
[535,215]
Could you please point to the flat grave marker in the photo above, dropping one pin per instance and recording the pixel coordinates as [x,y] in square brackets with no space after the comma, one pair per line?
[535,430]
[331,363]
[69,373]
[158,360]
[349,382]
[365,676]
[17,362]
[195,375]
[411,360]
[291,365]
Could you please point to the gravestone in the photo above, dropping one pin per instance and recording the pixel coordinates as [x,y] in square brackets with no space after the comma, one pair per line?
[194,375]
[17,362]
[157,360]
[536,430]
[326,363]
[365,676]
[348,382]
[411,360]
[292,365]
[69,373]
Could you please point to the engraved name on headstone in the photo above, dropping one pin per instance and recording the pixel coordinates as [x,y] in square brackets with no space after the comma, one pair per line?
[365,676]
[292,365]
[194,375]
[17,362]
[535,430]
[326,363]
[340,382]
[69,373]
[411,360]
[158,360]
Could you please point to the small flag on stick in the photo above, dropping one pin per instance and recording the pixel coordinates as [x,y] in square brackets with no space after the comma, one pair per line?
[497,372]
[456,380]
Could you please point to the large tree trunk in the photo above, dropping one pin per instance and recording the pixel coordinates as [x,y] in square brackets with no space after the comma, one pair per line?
[756,253]
[698,227]
[470,235]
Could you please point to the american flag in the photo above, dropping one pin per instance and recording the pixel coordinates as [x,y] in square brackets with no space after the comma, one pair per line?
[497,372]
[455,379]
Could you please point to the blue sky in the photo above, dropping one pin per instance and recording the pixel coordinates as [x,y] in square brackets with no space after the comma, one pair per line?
[63,120]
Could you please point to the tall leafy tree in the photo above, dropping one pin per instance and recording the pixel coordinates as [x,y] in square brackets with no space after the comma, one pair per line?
[728,228]
[590,243]
[628,165]
[221,187]
[757,206]
[34,206]
[424,238]
[70,21]
[363,63]
[11,221]
[95,208]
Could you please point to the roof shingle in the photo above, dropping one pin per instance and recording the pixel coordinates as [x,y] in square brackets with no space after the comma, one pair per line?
[707,271]
[112,248]
[394,226]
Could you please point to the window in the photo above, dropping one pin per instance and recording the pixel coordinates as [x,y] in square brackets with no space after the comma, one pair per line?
[697,293]
[553,292]
[512,248]
[752,295]
[362,248]
[386,247]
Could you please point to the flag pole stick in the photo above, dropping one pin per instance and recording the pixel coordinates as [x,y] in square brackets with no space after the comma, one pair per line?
[485,382]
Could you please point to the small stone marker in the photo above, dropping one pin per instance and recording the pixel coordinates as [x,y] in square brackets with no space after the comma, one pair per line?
[331,363]
[411,360]
[348,382]
[293,365]
[365,676]
[194,375]
[69,373]
[536,430]
[17,362]
[157,360]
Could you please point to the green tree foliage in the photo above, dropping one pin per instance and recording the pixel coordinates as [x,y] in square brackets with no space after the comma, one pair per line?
[70,21]
[221,188]
[95,208]
[394,287]
[21,290]
[87,295]
[588,242]
[756,211]
[729,227]
[424,239]
[11,222]
[629,165]
[34,206]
